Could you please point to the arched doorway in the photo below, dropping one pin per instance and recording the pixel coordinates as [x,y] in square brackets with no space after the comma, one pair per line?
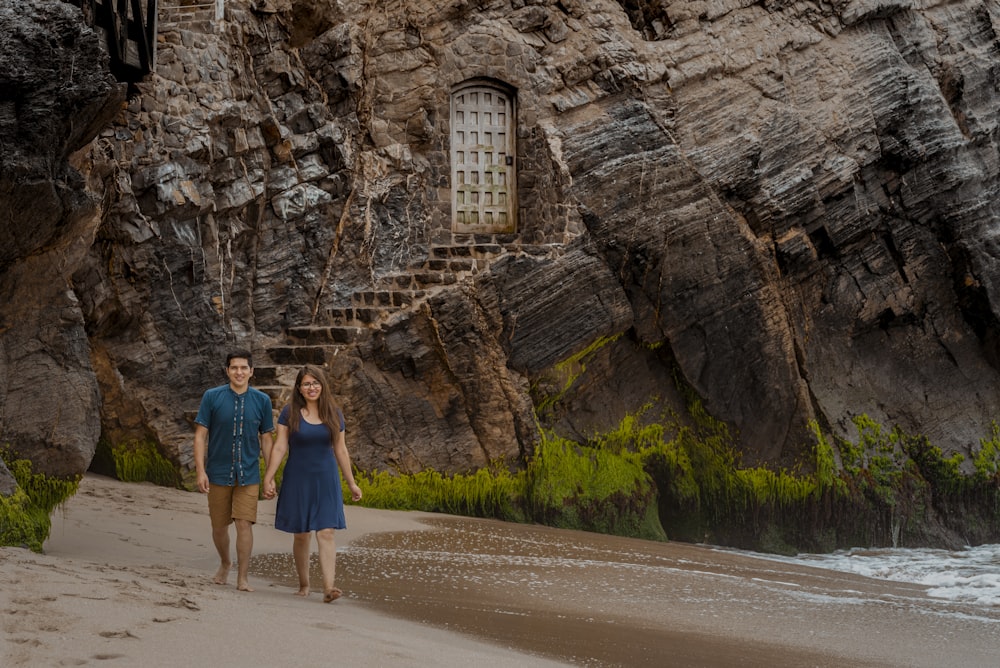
[483,173]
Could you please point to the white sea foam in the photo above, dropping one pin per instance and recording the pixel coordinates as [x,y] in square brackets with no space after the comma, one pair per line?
[971,575]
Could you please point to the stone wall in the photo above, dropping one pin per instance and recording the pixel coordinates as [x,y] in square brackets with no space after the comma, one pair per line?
[790,206]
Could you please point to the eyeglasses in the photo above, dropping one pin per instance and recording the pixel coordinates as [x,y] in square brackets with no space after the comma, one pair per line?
[311,386]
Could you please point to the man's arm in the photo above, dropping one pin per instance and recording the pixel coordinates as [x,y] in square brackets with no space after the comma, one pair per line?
[278,449]
[266,445]
[267,431]
[200,451]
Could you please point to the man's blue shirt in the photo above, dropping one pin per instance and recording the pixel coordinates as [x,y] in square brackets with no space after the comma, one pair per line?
[235,423]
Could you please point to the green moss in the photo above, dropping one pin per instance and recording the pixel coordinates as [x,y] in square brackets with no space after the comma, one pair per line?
[986,459]
[141,461]
[24,516]
[942,474]
[601,486]
[652,477]
[594,487]
[22,523]
[884,487]
[826,474]
[565,374]
[489,492]
[877,459]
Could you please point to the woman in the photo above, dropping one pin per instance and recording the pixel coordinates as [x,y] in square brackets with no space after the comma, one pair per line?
[311,431]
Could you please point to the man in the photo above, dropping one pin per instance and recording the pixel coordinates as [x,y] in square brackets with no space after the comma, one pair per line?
[235,424]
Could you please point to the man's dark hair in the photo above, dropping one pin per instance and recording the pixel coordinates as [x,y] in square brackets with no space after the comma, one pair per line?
[239,353]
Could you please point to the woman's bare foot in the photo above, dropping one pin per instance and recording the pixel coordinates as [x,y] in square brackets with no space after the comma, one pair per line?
[222,575]
[303,590]
[332,595]
[244,586]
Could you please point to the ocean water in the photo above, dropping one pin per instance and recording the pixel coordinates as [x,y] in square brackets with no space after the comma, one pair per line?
[969,576]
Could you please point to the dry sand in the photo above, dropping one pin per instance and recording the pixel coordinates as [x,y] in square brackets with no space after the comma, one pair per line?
[126,581]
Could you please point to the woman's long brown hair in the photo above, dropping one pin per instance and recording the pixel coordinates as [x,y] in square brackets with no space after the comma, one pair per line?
[329,412]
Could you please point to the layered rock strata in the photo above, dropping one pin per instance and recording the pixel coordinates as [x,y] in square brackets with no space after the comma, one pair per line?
[789,207]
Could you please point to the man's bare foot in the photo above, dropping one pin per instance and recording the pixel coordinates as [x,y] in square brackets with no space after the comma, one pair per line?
[222,575]
[244,586]
[303,590]
[332,595]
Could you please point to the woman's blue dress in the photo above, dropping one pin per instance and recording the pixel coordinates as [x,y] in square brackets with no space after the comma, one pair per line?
[310,498]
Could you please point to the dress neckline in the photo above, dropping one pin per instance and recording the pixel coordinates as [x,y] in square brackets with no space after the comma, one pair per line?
[307,421]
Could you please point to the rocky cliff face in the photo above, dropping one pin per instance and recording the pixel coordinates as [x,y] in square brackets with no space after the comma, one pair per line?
[789,206]
[55,94]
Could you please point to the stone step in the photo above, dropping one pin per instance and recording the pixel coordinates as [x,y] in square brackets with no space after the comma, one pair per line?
[298,354]
[280,394]
[401,281]
[418,280]
[481,251]
[358,316]
[455,265]
[428,279]
[324,335]
[391,298]
[449,238]
[265,375]
[270,373]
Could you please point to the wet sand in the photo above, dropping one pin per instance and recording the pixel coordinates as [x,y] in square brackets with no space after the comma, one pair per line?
[608,601]
[126,580]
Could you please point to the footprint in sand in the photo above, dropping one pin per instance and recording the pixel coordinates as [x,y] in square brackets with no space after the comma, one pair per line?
[118,634]
[183,603]
[32,642]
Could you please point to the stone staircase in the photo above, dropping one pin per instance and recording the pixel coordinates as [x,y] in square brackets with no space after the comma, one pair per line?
[446,265]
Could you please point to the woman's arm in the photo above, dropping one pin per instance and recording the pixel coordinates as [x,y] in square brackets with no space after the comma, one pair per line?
[344,462]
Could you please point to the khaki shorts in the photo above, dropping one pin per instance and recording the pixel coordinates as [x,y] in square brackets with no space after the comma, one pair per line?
[226,504]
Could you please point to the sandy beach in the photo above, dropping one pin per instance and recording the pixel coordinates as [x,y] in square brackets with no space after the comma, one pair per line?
[125,580]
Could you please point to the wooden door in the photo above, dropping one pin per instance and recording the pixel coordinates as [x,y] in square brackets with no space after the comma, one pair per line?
[482,159]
